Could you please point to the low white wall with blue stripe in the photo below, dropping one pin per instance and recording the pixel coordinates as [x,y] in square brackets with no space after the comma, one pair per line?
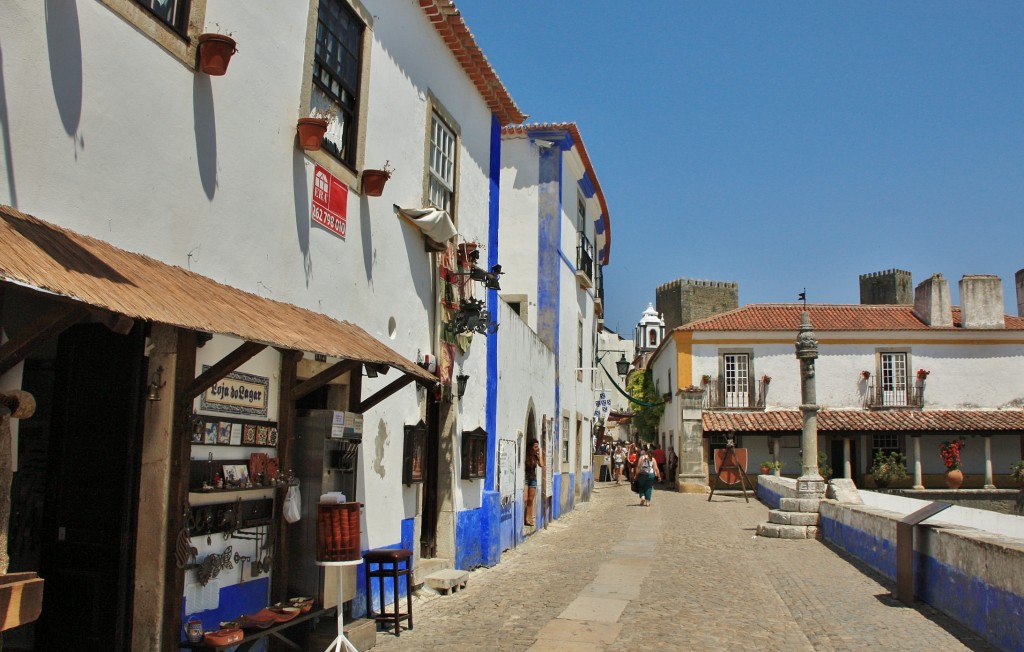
[975,576]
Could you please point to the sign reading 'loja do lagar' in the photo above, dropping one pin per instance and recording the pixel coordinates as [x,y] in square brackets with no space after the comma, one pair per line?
[237,393]
[330,202]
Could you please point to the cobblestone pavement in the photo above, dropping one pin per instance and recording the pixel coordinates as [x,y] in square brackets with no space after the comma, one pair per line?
[684,574]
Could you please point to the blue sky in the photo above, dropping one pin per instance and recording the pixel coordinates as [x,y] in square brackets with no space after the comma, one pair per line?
[782,145]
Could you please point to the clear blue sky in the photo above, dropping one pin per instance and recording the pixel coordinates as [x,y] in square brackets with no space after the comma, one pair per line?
[782,145]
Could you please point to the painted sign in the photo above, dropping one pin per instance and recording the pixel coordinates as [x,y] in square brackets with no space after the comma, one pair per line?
[237,393]
[330,202]
[507,465]
[728,465]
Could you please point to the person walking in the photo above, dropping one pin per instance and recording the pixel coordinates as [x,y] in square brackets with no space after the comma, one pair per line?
[647,472]
[533,460]
[618,462]
[659,459]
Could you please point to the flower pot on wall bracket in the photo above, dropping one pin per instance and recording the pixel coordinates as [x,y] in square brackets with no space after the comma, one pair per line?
[311,133]
[215,52]
[373,182]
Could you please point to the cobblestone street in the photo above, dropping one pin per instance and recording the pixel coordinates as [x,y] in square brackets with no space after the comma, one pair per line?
[684,574]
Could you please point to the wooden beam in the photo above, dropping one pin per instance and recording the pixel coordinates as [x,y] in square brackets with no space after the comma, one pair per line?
[177,490]
[384,393]
[227,364]
[285,453]
[47,326]
[310,385]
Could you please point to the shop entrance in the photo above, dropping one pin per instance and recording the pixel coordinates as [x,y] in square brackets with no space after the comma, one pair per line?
[431,502]
[73,497]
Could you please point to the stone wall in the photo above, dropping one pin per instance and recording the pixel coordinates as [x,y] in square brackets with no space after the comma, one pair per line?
[893,286]
[685,300]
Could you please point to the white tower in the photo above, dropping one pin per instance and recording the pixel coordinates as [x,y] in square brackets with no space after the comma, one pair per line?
[650,331]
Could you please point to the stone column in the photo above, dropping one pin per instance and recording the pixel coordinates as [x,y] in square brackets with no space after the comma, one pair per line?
[778,454]
[847,467]
[692,475]
[810,484]
[989,484]
[917,463]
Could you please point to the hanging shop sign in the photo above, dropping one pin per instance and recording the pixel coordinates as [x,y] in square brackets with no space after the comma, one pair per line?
[237,393]
[330,202]
[602,405]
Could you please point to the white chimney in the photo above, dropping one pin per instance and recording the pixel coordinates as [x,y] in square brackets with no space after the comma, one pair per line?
[931,302]
[981,301]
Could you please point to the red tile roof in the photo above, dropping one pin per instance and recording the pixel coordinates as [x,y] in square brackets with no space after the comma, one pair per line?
[825,317]
[581,149]
[448,22]
[835,421]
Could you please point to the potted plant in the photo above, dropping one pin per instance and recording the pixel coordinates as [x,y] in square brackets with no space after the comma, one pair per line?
[888,468]
[865,374]
[214,53]
[768,466]
[1017,473]
[922,374]
[374,180]
[705,379]
[950,453]
[311,130]
[766,379]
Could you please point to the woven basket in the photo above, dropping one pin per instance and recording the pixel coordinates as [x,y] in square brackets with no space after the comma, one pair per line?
[337,532]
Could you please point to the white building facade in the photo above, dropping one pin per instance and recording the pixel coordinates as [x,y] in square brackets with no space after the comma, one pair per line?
[177,209]
[888,378]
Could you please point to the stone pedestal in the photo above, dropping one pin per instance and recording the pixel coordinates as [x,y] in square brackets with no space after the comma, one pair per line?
[693,475]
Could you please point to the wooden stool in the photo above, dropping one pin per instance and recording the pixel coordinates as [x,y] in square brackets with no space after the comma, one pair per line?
[388,563]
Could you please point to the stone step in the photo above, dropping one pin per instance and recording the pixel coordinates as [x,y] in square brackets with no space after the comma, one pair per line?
[448,580]
[799,504]
[781,517]
[776,531]
[426,567]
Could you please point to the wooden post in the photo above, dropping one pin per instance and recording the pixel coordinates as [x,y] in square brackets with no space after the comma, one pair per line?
[286,431]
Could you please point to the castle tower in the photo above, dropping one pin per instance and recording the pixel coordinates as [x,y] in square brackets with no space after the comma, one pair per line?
[685,300]
[650,331]
[893,286]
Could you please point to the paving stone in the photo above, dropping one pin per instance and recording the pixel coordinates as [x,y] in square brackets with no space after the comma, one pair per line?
[690,575]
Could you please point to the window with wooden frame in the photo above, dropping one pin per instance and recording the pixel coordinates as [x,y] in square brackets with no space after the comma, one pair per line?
[565,440]
[441,165]
[173,25]
[474,454]
[414,453]
[337,71]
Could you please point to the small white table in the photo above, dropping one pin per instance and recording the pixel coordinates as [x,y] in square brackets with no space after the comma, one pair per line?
[341,644]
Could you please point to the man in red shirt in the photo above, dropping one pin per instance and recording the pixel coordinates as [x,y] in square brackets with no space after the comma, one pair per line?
[659,459]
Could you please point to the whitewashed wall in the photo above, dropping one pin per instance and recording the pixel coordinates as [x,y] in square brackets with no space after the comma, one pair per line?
[518,227]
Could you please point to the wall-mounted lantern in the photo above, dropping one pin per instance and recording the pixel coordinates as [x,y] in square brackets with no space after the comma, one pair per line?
[460,385]
[472,317]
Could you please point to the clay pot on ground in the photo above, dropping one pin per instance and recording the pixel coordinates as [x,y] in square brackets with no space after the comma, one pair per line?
[954,478]
[215,52]
[311,133]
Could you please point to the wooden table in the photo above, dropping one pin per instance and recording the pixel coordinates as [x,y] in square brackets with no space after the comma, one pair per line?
[254,634]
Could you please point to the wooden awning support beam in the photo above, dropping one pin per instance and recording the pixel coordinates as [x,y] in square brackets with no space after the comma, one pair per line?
[384,392]
[327,375]
[49,325]
[227,364]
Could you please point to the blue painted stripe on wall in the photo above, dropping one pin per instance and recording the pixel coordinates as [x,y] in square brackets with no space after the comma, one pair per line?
[587,186]
[992,613]
[477,534]
[246,597]
[491,418]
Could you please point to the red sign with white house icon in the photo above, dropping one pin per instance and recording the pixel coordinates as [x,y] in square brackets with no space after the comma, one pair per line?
[330,202]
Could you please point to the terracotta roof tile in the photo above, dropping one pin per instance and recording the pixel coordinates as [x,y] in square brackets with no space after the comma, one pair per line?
[835,421]
[825,317]
[448,22]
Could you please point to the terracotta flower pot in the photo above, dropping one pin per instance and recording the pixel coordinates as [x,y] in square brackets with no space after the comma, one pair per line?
[311,133]
[954,478]
[765,470]
[215,52]
[373,182]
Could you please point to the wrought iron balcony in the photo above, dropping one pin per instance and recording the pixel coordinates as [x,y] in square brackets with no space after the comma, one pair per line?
[719,396]
[584,260]
[880,397]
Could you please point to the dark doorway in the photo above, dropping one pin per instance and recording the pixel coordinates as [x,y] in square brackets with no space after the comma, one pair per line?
[431,504]
[835,460]
[87,485]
